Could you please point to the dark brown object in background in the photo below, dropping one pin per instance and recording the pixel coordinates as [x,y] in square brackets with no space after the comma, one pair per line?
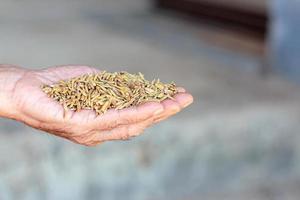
[247,20]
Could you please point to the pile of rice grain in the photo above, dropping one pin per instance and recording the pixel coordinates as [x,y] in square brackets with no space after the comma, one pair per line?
[104,90]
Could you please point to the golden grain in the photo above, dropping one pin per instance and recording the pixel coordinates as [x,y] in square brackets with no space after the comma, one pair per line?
[104,90]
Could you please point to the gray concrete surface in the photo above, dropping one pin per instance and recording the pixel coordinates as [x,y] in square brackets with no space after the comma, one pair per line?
[239,140]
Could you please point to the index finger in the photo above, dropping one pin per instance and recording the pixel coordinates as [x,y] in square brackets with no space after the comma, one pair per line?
[131,115]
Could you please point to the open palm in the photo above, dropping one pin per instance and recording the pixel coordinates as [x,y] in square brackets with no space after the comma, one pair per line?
[36,109]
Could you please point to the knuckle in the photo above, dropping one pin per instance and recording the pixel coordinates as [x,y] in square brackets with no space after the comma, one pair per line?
[125,133]
[79,130]
[135,131]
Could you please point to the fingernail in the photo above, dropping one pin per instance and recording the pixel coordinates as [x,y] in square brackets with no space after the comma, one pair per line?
[158,111]
[186,104]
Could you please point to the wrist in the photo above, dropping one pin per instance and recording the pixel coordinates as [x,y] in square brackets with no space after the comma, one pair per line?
[9,77]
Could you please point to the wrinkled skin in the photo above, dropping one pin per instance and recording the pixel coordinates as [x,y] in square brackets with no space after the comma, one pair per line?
[23,100]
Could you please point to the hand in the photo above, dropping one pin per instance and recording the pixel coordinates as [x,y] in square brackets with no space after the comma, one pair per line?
[33,107]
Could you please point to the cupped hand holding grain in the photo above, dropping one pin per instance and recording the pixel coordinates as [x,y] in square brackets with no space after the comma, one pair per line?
[22,99]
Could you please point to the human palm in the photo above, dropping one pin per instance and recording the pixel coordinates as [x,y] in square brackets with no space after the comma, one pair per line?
[36,109]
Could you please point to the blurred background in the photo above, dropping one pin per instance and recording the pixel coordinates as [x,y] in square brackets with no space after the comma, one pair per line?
[239,140]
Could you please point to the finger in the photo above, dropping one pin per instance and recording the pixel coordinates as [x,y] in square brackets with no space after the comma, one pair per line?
[125,132]
[121,133]
[172,107]
[87,120]
[114,118]
[131,115]
[137,129]
[184,99]
[83,117]
[180,89]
